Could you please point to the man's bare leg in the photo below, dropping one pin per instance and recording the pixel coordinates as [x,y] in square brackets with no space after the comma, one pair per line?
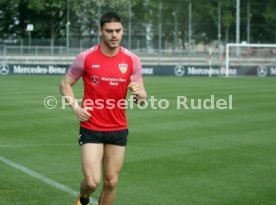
[91,160]
[113,160]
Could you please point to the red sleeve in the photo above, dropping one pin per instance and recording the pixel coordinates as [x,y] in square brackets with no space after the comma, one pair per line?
[137,69]
[76,70]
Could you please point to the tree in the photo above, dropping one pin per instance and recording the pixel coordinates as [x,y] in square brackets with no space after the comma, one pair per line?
[9,19]
[86,14]
[270,17]
[50,17]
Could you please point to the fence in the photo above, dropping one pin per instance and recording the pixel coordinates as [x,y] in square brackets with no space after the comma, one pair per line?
[19,51]
[53,60]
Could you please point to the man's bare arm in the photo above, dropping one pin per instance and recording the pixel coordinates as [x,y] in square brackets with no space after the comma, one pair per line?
[66,89]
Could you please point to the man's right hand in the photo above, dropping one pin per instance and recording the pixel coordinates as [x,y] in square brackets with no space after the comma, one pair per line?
[82,113]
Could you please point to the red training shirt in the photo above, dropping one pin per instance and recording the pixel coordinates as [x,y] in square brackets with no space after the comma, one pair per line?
[106,82]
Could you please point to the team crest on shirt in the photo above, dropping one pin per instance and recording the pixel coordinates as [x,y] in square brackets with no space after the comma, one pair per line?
[123,67]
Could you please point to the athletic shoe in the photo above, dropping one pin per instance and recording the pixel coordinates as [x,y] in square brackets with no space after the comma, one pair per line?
[78,201]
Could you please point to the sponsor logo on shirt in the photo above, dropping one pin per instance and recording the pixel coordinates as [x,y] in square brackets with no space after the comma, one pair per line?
[95,66]
[95,80]
[113,81]
[123,67]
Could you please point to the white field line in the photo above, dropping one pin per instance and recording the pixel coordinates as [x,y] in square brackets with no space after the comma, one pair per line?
[42,178]
[34,145]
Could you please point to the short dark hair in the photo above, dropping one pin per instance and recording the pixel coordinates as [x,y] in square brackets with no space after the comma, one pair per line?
[110,17]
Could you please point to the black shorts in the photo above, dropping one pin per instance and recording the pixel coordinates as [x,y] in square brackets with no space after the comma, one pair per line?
[103,137]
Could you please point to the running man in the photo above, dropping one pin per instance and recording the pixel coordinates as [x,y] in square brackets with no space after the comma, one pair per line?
[108,70]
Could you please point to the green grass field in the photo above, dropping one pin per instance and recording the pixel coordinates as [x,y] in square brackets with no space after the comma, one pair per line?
[174,156]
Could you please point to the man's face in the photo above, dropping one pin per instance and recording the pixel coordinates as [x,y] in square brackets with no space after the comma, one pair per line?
[111,34]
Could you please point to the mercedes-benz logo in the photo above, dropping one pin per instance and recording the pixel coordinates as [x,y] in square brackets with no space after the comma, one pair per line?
[4,69]
[179,70]
[262,71]
[95,80]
